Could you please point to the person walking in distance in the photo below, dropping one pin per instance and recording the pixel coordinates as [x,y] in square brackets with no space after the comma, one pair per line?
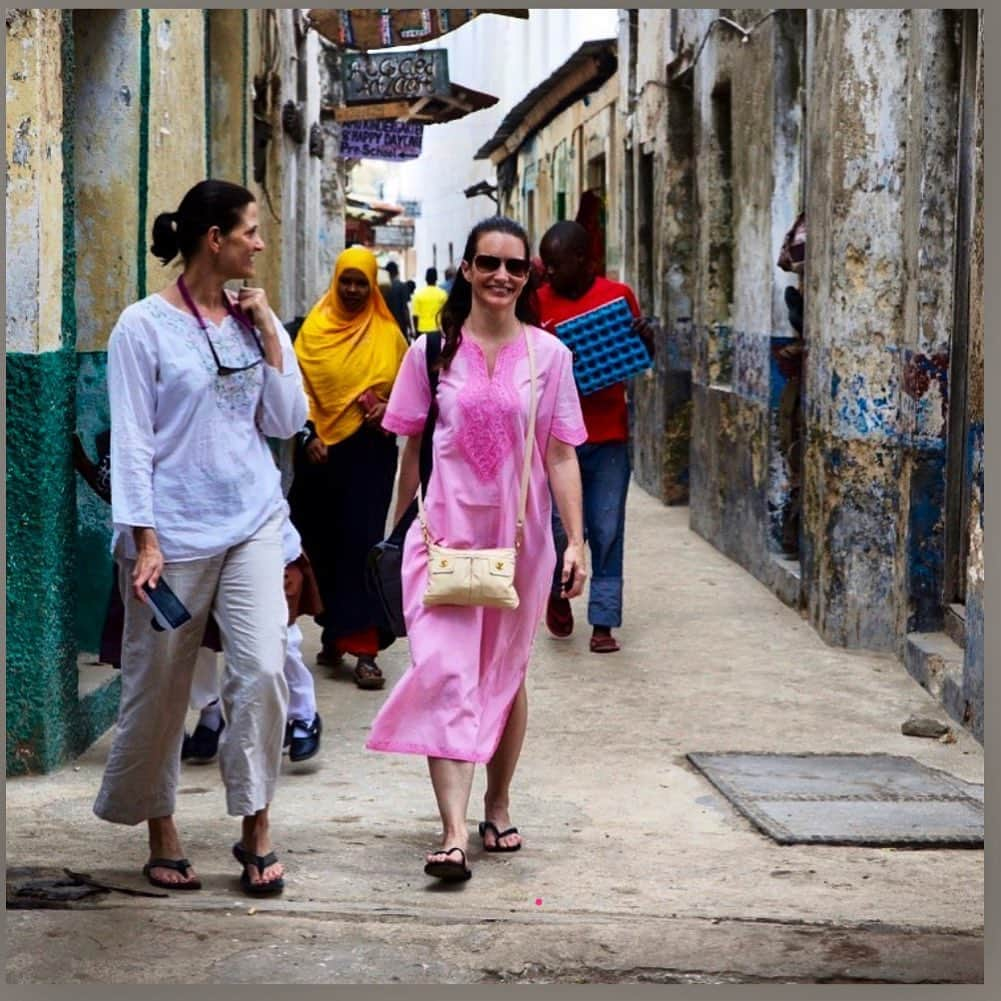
[398,299]
[197,378]
[349,349]
[462,700]
[572,288]
[426,304]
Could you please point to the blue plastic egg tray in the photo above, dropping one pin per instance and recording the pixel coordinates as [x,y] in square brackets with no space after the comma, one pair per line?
[605,349]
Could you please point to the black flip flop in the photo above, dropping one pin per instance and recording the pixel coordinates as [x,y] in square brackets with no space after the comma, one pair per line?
[245,859]
[448,870]
[181,865]
[487,825]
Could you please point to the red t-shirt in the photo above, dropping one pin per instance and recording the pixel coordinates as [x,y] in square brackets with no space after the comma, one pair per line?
[605,414]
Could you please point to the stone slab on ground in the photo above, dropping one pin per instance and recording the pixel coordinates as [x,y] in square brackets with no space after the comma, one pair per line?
[847,799]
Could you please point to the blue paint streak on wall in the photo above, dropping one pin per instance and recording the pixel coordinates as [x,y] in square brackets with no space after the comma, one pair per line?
[975,464]
[779,373]
[925,542]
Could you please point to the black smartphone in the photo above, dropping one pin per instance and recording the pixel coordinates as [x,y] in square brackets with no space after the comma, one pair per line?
[568,583]
[168,612]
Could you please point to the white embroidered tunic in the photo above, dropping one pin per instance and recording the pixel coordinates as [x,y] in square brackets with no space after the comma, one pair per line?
[189,456]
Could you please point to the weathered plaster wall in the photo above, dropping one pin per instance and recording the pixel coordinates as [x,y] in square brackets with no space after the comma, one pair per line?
[658,222]
[106,134]
[176,120]
[46,722]
[858,283]
[34,181]
[747,163]
[228,95]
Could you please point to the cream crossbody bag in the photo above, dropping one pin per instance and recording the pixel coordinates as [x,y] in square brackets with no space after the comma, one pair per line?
[481,576]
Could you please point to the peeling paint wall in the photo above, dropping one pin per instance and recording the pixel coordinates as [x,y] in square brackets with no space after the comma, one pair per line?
[657,219]
[851,115]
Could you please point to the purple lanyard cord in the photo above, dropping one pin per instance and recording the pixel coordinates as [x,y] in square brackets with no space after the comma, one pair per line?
[190,303]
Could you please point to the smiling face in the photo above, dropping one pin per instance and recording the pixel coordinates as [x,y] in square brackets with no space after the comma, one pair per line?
[239,247]
[353,289]
[496,290]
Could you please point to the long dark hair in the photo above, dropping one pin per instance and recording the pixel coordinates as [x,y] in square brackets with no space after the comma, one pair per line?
[460,298]
[209,203]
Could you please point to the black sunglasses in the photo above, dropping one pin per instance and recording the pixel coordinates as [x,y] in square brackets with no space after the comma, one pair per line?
[517,267]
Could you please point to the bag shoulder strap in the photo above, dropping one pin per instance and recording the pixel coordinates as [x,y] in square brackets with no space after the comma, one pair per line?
[433,350]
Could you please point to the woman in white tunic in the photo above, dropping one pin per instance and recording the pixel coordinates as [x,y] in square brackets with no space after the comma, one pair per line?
[197,376]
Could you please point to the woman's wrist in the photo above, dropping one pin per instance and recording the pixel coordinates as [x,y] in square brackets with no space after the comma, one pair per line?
[145,538]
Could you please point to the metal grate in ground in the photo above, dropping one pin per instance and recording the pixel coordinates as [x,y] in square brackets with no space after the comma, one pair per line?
[848,799]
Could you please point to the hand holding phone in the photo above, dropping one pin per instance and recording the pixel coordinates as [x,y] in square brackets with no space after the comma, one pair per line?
[168,612]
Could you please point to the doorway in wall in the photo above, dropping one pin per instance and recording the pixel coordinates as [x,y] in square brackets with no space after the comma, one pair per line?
[591,212]
[957,500]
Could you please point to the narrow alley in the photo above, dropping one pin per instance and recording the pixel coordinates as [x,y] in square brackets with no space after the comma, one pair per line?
[634,869]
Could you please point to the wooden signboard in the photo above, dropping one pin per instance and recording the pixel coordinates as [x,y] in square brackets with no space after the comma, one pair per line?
[381,140]
[394,76]
[393,236]
[385,28]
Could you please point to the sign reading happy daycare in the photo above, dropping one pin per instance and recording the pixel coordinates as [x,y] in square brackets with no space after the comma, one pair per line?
[394,76]
[381,139]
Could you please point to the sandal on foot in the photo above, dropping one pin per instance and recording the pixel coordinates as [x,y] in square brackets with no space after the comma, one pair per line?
[604,644]
[367,674]
[448,870]
[487,825]
[246,859]
[181,865]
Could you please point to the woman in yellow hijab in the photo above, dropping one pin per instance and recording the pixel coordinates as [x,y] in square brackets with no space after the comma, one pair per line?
[349,349]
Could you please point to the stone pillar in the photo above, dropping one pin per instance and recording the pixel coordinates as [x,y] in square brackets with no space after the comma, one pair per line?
[41,505]
[856,285]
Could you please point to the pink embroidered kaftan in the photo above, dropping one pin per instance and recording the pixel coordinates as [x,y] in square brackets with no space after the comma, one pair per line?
[467,663]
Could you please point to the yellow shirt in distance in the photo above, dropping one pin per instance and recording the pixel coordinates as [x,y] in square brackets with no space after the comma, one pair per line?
[425,305]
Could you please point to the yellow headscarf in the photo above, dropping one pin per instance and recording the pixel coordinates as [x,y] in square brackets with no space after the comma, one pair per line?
[342,354]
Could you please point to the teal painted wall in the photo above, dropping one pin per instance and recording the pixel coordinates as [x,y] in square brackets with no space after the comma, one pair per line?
[46,722]
[93,558]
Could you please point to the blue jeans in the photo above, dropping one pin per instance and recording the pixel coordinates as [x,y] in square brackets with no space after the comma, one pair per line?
[604,473]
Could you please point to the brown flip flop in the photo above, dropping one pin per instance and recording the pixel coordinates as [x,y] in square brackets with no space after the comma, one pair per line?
[604,644]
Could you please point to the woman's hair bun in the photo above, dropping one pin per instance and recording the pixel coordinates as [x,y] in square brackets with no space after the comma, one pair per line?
[164,237]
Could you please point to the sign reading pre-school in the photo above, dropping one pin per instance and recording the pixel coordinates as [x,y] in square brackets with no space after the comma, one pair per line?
[394,76]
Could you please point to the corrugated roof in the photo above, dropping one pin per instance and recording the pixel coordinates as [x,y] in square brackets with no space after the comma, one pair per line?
[585,71]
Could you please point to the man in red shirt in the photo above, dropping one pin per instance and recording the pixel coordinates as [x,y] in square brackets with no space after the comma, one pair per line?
[572,288]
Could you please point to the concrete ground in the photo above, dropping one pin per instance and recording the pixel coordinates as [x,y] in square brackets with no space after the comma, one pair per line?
[634,867]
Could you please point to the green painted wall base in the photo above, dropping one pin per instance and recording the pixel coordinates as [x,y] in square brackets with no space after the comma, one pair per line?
[46,721]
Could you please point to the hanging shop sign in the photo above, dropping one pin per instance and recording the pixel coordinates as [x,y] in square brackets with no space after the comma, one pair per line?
[381,139]
[393,236]
[394,76]
[384,28]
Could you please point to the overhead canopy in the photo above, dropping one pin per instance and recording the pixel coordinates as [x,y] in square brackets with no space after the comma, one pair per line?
[458,102]
[385,28]
[585,71]
[373,212]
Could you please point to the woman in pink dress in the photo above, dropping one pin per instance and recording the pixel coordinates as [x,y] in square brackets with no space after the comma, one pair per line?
[463,699]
